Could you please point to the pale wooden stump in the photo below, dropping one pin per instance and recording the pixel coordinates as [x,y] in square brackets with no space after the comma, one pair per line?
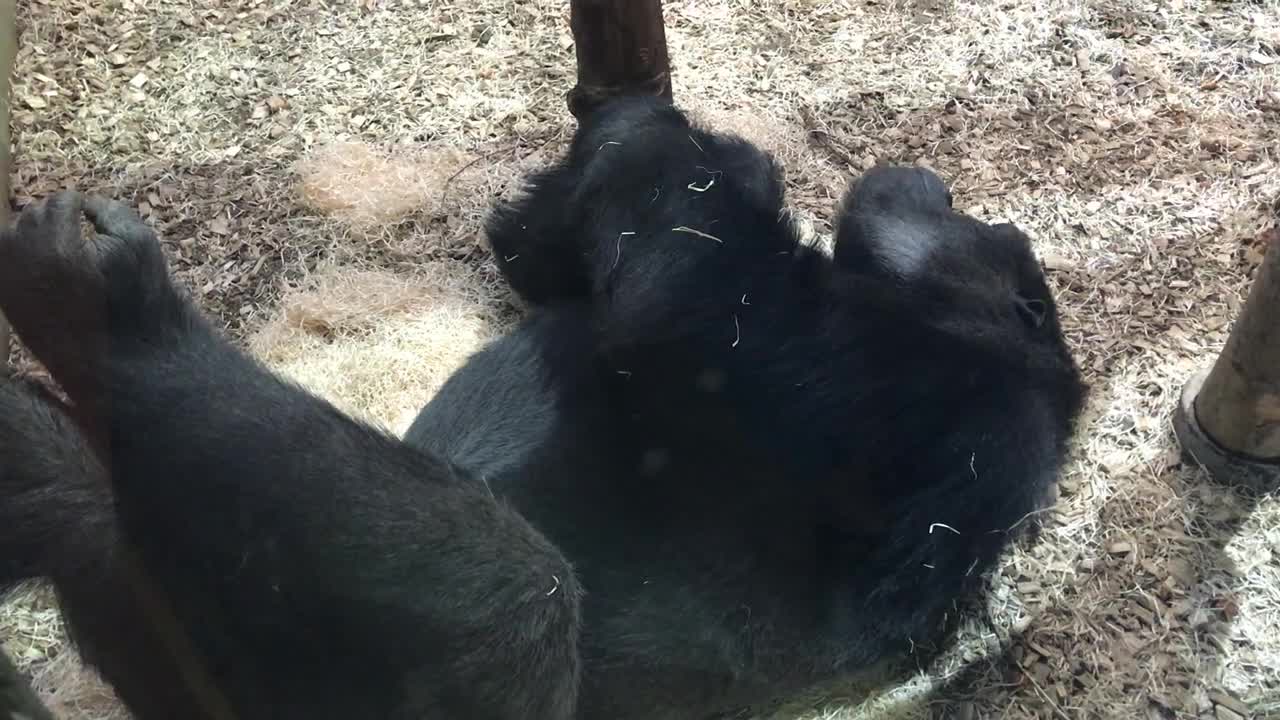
[1228,419]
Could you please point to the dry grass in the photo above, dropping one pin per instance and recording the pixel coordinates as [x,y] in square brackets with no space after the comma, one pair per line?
[380,344]
[1136,141]
[369,188]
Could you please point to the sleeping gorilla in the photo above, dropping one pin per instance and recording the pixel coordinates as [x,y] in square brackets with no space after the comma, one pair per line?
[711,466]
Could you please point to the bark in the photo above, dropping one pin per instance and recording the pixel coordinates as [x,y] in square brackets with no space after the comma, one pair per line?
[622,50]
[1239,404]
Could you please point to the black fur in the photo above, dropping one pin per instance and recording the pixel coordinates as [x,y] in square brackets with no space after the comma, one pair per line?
[59,524]
[763,467]
[819,455]
[318,568]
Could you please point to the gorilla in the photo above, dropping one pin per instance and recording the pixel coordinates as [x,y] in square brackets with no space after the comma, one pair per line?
[712,464]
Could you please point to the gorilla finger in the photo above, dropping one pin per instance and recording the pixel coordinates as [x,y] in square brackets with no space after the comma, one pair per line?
[125,261]
[65,204]
[106,247]
[37,216]
[111,217]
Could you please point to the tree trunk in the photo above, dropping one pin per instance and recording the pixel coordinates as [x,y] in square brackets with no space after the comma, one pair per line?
[622,50]
[1239,404]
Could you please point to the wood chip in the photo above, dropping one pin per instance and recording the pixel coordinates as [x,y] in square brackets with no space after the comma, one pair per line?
[1120,548]
[1225,700]
[1057,263]
[220,225]
[1222,712]
[1181,570]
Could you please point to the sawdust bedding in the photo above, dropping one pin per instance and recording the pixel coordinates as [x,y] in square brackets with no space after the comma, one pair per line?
[320,170]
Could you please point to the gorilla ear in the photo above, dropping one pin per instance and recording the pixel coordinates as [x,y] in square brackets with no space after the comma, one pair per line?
[899,189]
[886,221]
[882,245]
[1010,233]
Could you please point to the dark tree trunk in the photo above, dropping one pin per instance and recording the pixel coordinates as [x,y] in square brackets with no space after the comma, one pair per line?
[622,50]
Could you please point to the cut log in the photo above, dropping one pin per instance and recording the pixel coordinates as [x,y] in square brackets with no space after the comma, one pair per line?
[621,46]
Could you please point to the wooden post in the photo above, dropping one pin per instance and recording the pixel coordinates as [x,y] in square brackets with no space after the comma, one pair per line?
[17,699]
[621,47]
[8,49]
[1229,418]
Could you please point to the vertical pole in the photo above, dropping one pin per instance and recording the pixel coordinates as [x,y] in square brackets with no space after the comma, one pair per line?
[17,699]
[621,47]
[1229,418]
[8,50]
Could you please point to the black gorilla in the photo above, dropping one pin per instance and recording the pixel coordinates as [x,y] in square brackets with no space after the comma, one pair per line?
[776,466]
[712,465]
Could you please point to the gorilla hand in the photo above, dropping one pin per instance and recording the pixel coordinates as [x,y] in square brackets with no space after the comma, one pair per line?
[76,300]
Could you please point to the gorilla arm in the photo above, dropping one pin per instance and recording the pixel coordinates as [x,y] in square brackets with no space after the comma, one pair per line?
[297,546]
